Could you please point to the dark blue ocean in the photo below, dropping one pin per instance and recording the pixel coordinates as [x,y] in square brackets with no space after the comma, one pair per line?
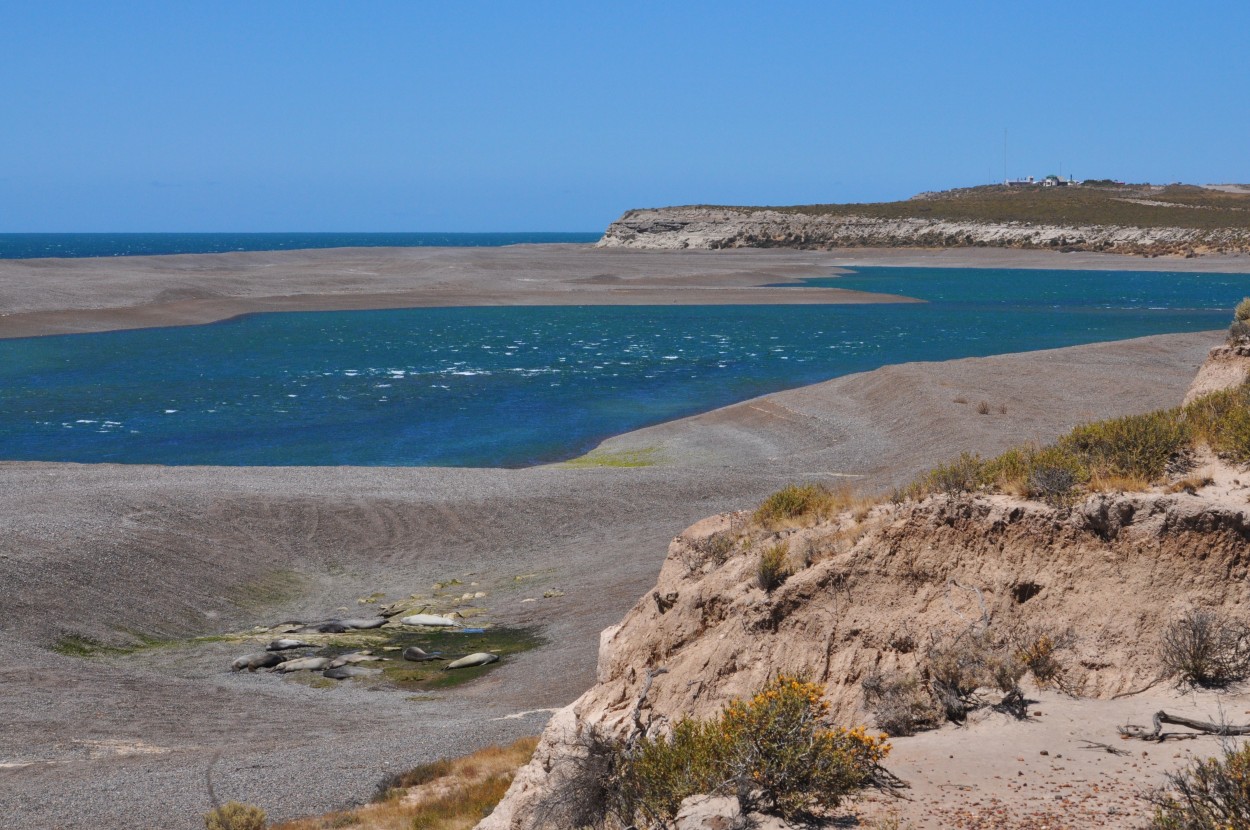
[33,245]
[522,385]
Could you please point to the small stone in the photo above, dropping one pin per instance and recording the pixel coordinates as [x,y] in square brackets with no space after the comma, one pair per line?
[529,599]
[552,592]
[1043,752]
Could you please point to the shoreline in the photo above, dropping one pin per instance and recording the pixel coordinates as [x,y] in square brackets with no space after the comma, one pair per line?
[85,544]
[80,295]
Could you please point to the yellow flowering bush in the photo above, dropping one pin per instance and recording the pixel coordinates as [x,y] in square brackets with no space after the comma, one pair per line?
[1211,794]
[776,751]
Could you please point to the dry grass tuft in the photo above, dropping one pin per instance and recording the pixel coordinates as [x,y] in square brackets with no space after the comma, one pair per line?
[1190,484]
[803,505]
[445,795]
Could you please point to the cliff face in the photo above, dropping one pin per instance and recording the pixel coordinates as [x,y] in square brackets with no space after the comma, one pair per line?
[712,228]
[1116,570]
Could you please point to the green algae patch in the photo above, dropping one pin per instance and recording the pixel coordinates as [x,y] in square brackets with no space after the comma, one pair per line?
[429,676]
[641,457]
[78,645]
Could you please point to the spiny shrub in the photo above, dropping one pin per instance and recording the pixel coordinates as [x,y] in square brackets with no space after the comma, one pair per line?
[235,816]
[1210,794]
[775,751]
[774,567]
[1053,475]
[1135,445]
[1205,648]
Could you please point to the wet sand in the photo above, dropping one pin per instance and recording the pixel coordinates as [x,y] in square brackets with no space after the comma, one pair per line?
[99,550]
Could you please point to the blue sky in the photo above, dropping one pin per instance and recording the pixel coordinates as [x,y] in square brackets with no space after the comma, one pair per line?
[414,116]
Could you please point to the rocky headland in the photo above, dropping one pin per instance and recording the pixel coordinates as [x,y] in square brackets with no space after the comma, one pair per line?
[1140,220]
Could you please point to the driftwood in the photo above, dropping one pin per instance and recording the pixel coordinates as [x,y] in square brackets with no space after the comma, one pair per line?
[1161,717]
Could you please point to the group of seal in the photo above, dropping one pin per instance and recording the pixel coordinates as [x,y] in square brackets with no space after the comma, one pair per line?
[344,666]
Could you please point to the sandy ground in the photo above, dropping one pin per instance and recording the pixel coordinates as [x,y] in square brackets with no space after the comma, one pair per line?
[1064,768]
[56,296]
[100,550]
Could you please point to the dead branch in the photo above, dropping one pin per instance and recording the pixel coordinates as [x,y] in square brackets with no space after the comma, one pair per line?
[639,728]
[1161,717]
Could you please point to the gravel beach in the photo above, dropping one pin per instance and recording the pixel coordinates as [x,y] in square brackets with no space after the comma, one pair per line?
[150,738]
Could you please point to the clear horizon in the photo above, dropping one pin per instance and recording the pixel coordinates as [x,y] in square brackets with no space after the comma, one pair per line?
[558,117]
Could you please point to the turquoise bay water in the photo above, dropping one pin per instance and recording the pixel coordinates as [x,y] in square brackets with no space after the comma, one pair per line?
[30,245]
[518,386]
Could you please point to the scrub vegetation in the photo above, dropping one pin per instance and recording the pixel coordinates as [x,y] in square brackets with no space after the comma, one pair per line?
[1135,205]
[776,752]
[1129,453]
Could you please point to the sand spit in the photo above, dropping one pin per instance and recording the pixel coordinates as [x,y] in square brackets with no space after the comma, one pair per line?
[118,553]
[57,296]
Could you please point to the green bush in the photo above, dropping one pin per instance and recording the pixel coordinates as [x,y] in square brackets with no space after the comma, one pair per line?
[235,816]
[774,567]
[1222,420]
[963,475]
[775,752]
[1211,794]
[1132,446]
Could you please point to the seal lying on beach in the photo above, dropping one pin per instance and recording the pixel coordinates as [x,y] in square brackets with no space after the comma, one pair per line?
[302,664]
[420,655]
[354,657]
[364,622]
[285,644]
[480,658]
[432,620]
[252,662]
[341,626]
[344,672]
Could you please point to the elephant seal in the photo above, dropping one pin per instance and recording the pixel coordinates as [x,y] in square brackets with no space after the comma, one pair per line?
[252,662]
[344,672]
[364,622]
[354,657]
[420,655]
[480,658]
[286,643]
[302,664]
[432,620]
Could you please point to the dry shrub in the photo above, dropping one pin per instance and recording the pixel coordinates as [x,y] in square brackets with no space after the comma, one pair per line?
[444,795]
[1204,648]
[983,408]
[235,816]
[960,399]
[1242,312]
[900,704]
[953,670]
[796,502]
[1210,794]
[1106,483]
[774,566]
[1190,484]
[394,785]
[776,752]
